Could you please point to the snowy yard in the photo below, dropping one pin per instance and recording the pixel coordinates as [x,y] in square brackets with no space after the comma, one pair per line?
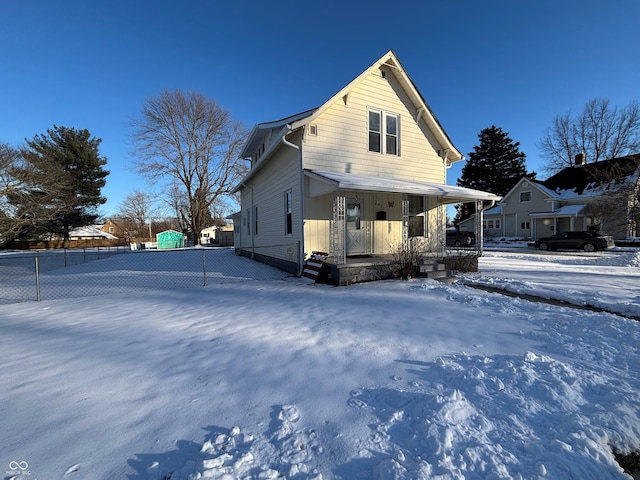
[258,375]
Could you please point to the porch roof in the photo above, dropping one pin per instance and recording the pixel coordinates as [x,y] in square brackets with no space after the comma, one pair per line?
[322,182]
[566,211]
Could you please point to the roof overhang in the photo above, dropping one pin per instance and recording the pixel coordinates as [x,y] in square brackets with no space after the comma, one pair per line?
[322,182]
[259,131]
[450,152]
[566,211]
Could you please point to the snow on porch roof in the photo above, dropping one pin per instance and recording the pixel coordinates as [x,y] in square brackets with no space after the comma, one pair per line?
[323,182]
[566,211]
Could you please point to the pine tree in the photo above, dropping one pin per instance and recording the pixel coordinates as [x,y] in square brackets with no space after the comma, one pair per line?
[495,165]
[71,157]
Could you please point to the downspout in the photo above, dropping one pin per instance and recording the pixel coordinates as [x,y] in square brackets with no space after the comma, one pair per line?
[480,223]
[301,181]
[253,244]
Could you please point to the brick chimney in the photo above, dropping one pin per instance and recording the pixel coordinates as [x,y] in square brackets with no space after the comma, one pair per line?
[580,159]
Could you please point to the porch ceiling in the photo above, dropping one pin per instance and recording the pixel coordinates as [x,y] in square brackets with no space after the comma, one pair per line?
[322,182]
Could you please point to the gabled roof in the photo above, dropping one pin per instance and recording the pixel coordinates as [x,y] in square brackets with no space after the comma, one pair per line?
[390,60]
[533,183]
[260,130]
[593,178]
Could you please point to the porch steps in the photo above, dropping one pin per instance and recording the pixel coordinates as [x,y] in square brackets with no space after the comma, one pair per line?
[313,265]
[437,271]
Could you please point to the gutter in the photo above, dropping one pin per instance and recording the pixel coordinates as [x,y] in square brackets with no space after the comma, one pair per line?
[301,181]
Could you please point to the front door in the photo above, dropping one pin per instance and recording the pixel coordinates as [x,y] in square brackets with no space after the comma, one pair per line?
[355,227]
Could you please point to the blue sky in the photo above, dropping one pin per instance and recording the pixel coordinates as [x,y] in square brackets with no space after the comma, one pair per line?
[513,64]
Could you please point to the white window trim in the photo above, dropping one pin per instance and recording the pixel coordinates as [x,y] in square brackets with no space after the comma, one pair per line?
[383,131]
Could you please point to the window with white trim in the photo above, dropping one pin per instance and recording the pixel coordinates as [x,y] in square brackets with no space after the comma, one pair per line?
[384,132]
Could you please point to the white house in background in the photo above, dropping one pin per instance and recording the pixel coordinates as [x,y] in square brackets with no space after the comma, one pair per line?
[208,235]
[217,235]
[570,200]
[354,177]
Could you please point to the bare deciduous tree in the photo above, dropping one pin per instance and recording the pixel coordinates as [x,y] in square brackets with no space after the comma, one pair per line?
[617,209]
[601,132]
[186,142]
[138,208]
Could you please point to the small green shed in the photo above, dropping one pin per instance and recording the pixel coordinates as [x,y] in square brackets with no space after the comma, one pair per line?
[170,239]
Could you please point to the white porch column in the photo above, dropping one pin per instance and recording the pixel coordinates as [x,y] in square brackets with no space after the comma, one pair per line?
[479,226]
[338,229]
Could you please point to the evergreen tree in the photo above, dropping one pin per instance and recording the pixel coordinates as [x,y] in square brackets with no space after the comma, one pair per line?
[71,157]
[495,165]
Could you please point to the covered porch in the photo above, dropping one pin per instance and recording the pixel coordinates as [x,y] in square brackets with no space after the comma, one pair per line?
[566,218]
[368,225]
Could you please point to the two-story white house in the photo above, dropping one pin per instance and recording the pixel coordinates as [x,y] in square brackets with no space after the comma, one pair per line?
[601,196]
[354,178]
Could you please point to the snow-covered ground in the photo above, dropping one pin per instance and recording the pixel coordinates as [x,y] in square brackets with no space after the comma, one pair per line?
[277,378]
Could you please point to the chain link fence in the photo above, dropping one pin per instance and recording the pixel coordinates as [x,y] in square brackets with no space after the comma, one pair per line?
[35,276]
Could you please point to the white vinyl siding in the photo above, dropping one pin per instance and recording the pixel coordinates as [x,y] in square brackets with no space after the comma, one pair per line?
[342,143]
[278,175]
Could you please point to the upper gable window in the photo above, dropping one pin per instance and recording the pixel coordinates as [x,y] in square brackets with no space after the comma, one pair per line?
[384,130]
[525,196]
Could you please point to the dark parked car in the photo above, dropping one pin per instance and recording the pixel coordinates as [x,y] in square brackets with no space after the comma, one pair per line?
[456,238]
[587,241]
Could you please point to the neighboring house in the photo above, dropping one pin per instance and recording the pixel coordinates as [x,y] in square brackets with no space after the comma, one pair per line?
[355,177]
[224,236]
[123,229]
[91,232]
[601,196]
[114,228]
[208,235]
[217,235]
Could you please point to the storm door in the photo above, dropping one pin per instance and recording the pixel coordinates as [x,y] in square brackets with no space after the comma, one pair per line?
[355,231]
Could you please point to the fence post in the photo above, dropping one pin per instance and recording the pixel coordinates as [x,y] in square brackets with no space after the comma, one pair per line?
[204,267]
[37,280]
